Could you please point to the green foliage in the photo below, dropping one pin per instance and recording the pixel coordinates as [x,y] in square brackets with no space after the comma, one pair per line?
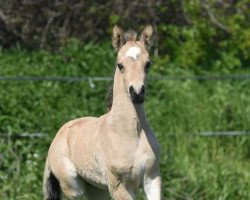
[216,37]
[195,167]
[192,166]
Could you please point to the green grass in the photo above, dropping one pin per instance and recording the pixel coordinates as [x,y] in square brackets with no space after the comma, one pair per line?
[192,166]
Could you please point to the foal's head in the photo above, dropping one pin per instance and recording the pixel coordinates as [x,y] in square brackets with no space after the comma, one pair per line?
[133,60]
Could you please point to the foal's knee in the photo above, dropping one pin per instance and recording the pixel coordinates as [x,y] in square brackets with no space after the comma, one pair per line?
[122,193]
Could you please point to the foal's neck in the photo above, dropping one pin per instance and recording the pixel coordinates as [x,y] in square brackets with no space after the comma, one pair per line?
[123,111]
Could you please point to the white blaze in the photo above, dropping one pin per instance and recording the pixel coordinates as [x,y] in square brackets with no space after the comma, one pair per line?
[133,52]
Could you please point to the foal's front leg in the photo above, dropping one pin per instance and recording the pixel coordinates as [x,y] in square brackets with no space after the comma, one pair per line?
[118,189]
[152,186]
[122,193]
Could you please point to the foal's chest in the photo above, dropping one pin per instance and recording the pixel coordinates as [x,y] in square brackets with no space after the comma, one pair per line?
[134,159]
[145,158]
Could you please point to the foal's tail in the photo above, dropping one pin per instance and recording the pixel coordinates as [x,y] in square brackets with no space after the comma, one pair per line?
[51,186]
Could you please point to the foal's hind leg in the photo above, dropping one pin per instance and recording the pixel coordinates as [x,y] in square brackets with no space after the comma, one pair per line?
[93,193]
[72,185]
[73,188]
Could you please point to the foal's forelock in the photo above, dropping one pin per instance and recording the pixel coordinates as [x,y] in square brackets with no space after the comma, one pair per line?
[130,36]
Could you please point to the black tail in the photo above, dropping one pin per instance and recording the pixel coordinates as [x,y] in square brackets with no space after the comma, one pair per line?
[51,186]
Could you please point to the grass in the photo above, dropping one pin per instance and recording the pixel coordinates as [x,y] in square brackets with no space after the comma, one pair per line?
[196,167]
[192,166]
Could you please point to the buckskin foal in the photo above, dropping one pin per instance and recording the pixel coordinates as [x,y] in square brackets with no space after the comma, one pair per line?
[114,155]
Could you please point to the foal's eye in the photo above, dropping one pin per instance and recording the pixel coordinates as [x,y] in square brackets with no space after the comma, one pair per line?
[148,64]
[120,66]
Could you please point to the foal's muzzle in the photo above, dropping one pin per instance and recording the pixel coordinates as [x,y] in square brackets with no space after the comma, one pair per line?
[137,97]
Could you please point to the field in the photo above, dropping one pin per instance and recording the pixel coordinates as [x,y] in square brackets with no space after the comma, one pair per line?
[192,166]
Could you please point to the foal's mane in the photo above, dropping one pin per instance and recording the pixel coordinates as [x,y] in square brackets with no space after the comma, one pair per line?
[129,36]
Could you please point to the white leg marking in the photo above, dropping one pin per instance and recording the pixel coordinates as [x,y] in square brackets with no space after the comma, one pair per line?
[133,52]
[152,188]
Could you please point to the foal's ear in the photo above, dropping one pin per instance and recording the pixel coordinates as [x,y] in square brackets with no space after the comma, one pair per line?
[118,38]
[146,36]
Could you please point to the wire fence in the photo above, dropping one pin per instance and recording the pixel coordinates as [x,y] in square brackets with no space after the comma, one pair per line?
[107,78]
[92,79]
[23,135]
[41,135]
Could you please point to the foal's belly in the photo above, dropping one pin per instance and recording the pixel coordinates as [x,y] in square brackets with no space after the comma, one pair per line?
[94,177]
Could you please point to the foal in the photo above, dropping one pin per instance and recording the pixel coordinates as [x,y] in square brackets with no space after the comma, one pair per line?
[114,155]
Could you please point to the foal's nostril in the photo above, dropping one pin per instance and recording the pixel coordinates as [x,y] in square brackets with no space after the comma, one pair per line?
[131,90]
[137,96]
[142,91]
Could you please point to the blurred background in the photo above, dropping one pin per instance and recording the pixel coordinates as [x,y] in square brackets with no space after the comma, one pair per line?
[56,63]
